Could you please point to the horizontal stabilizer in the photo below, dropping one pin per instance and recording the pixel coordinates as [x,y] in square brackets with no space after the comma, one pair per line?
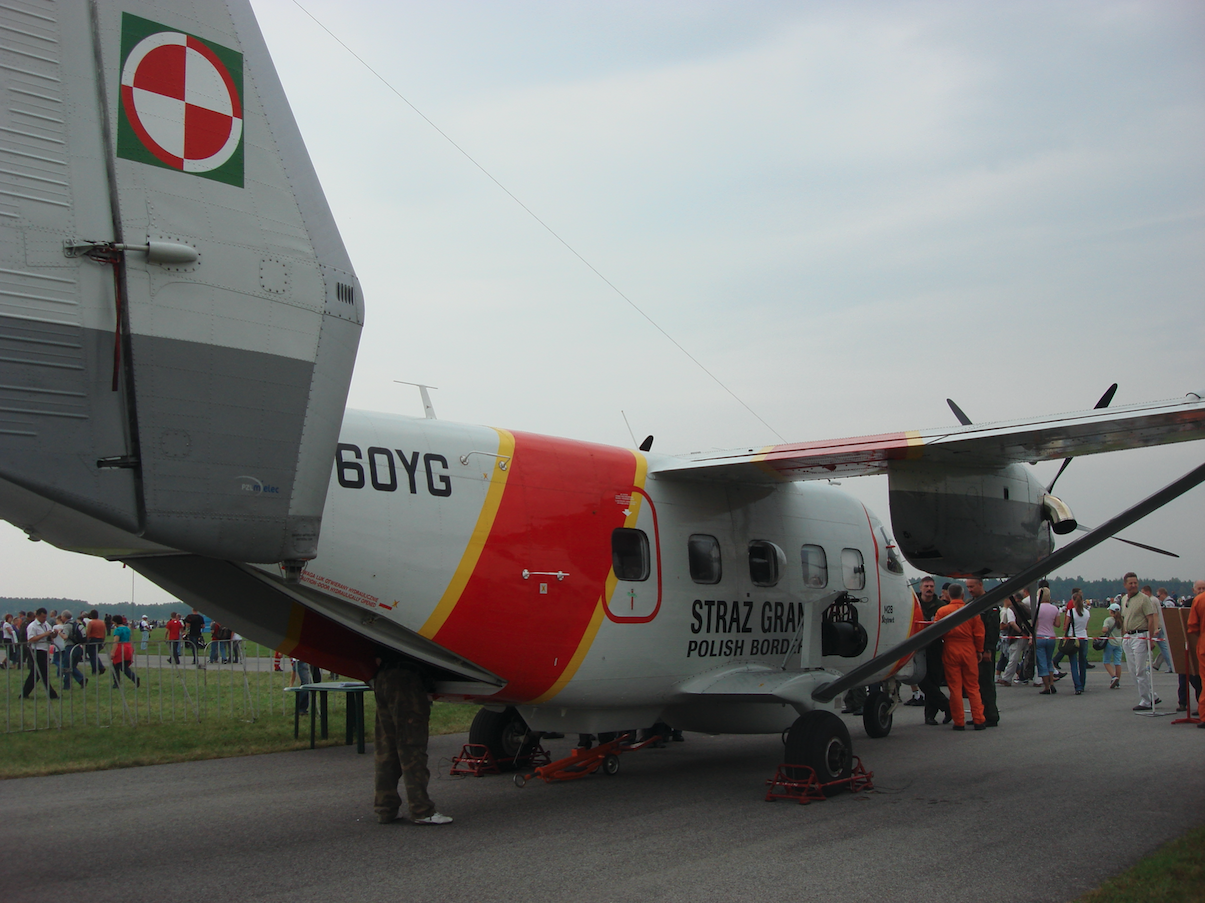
[299,622]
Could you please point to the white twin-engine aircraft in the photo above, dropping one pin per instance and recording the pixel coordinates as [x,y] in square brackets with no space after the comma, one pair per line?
[178,325]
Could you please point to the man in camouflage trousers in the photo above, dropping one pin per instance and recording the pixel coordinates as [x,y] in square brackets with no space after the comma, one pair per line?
[403,717]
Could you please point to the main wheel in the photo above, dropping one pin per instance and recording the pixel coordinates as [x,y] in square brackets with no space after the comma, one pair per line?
[877,715]
[504,734]
[821,741]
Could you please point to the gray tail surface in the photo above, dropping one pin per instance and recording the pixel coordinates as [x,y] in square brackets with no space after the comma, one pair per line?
[178,315]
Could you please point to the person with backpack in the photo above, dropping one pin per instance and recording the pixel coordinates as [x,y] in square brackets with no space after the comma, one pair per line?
[195,622]
[1077,629]
[72,632]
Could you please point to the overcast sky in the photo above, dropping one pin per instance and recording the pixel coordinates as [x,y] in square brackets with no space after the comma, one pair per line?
[846,212]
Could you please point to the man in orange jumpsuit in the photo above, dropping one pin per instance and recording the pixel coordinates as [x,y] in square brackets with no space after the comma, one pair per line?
[960,656]
[1196,638]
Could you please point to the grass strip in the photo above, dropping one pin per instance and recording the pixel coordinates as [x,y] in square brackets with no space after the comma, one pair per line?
[1174,873]
[47,752]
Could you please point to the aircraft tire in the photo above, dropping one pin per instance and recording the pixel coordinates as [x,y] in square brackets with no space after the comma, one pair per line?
[877,715]
[503,733]
[821,741]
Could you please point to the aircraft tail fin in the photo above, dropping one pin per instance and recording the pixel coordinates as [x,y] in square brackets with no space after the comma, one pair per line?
[178,315]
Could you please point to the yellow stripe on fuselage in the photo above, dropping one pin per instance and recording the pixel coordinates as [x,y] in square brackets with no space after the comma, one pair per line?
[759,460]
[579,655]
[481,533]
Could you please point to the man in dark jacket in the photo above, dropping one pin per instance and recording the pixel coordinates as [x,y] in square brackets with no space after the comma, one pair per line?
[935,699]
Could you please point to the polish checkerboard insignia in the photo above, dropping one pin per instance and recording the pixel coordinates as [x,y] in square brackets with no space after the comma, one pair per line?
[181,102]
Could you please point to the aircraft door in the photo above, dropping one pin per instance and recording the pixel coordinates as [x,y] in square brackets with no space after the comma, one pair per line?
[634,585]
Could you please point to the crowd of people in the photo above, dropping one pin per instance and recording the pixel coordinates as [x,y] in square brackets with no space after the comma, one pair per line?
[1023,641]
[38,639]
[35,640]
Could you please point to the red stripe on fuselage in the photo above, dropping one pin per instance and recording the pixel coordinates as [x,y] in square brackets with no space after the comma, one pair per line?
[333,647]
[556,514]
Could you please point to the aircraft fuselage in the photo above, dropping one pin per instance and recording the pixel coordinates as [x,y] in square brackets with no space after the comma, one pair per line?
[564,569]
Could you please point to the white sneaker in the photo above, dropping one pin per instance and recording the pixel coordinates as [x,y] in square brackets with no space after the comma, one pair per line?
[434,819]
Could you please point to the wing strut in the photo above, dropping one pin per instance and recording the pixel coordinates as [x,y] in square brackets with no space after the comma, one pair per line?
[863,673]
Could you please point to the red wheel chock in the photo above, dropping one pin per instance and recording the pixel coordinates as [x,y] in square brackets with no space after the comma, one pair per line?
[799,782]
[476,759]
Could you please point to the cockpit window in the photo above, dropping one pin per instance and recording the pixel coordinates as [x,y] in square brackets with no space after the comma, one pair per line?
[853,570]
[891,561]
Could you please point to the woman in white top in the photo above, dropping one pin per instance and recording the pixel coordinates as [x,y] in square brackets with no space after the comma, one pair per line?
[1078,628]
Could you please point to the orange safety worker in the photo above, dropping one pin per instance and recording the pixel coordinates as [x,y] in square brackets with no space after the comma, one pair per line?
[1196,641]
[960,656]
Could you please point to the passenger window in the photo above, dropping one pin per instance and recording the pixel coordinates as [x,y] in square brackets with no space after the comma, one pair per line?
[815,567]
[764,562]
[704,554]
[630,554]
[853,571]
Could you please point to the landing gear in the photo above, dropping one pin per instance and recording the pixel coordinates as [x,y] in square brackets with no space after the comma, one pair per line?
[877,714]
[505,734]
[821,741]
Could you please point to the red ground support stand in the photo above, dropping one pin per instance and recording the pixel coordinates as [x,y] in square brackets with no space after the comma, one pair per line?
[475,759]
[806,787]
[1189,717]
[582,762]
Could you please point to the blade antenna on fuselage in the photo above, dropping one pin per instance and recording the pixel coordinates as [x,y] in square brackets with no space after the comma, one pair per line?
[862,674]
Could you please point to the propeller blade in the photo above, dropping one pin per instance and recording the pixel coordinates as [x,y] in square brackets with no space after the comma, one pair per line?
[1050,488]
[1138,544]
[1103,402]
[863,674]
[1106,398]
[962,418]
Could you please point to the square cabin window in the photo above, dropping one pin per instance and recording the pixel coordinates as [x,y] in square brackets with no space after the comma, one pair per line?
[704,554]
[763,562]
[853,571]
[815,567]
[630,554]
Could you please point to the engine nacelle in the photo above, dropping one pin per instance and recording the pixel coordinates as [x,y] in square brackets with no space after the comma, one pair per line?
[962,521]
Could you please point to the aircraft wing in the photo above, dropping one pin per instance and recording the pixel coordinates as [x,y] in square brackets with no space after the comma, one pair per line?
[978,445]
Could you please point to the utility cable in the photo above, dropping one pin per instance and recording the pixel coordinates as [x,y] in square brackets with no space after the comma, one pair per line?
[533,215]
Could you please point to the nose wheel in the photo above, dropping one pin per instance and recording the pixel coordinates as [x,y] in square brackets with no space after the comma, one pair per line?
[877,714]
